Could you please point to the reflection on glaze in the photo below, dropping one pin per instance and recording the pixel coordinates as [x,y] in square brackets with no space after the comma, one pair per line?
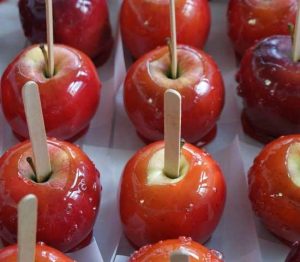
[83,5]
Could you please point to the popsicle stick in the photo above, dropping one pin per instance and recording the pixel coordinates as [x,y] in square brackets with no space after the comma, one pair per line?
[296,42]
[179,256]
[173,40]
[27,224]
[49,21]
[37,133]
[172,128]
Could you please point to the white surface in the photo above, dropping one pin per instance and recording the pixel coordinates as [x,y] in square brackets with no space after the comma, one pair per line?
[111,140]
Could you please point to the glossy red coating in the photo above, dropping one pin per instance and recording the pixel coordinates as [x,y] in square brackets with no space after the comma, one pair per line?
[190,207]
[200,84]
[274,197]
[43,253]
[161,251]
[269,83]
[253,20]
[69,99]
[145,25]
[68,201]
[83,25]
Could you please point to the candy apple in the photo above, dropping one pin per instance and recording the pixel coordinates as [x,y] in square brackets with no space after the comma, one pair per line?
[161,251]
[199,82]
[274,182]
[155,207]
[68,199]
[43,253]
[145,24]
[83,25]
[253,20]
[69,99]
[269,83]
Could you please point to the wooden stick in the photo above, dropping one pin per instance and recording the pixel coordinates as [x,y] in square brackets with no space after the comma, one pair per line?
[179,256]
[173,39]
[296,42]
[49,21]
[36,127]
[172,128]
[27,224]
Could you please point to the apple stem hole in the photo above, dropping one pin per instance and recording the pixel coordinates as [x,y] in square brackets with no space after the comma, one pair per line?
[169,72]
[34,176]
[46,59]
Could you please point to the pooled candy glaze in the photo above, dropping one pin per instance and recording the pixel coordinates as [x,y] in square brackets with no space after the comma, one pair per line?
[68,201]
[269,84]
[274,197]
[160,251]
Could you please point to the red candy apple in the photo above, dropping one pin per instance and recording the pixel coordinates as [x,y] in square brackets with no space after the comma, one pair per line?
[252,20]
[69,99]
[83,25]
[269,84]
[161,251]
[68,199]
[43,253]
[155,207]
[145,24]
[199,82]
[274,183]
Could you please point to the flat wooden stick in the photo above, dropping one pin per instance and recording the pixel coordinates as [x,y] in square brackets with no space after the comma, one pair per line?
[27,224]
[172,129]
[49,21]
[296,42]
[173,39]
[36,127]
[179,256]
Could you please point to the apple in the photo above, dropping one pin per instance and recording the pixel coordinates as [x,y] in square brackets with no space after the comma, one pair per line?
[155,207]
[162,250]
[69,99]
[145,24]
[253,20]
[199,82]
[83,25]
[68,199]
[294,255]
[43,253]
[269,84]
[274,183]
